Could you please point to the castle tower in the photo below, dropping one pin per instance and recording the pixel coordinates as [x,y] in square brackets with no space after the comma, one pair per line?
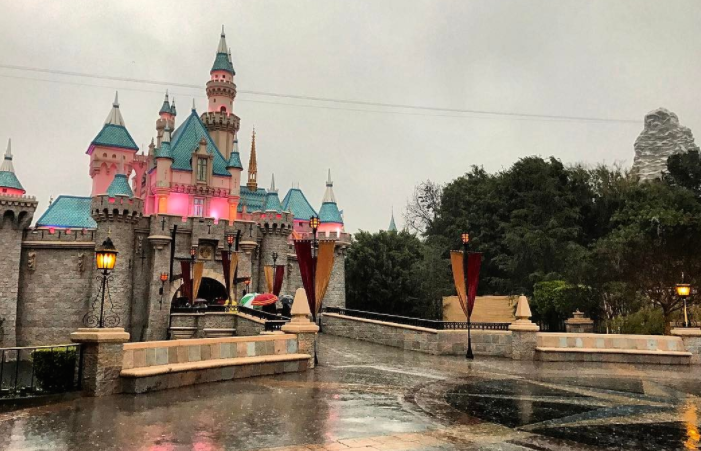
[166,115]
[219,119]
[234,167]
[116,213]
[112,147]
[329,216]
[275,226]
[163,157]
[16,213]
[253,166]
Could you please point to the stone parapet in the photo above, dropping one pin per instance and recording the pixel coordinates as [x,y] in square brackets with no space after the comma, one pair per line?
[691,337]
[102,359]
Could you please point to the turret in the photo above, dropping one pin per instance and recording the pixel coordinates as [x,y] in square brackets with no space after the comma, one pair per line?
[219,119]
[112,147]
[163,157]
[166,115]
[16,213]
[234,167]
[272,201]
[329,215]
[252,183]
[9,184]
[392,226]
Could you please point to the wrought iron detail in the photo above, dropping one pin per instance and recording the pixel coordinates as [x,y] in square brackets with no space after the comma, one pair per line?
[102,311]
[416,322]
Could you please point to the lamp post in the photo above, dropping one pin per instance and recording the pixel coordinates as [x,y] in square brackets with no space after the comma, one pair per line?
[314,224]
[163,278]
[193,252]
[105,259]
[465,237]
[683,291]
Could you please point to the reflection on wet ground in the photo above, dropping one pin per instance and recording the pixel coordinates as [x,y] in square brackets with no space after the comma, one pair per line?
[371,397]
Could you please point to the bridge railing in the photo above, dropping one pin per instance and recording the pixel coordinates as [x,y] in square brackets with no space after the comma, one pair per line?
[416,322]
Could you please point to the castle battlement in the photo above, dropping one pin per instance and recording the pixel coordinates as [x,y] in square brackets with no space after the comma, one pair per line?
[59,235]
[117,208]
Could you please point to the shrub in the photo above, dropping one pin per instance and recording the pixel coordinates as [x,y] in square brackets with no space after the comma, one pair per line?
[54,368]
[646,321]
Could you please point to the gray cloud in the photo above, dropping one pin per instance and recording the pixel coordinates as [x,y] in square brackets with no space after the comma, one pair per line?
[560,57]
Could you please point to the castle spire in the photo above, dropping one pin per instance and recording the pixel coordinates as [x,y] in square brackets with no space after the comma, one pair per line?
[7,162]
[392,224]
[253,165]
[272,185]
[165,108]
[8,179]
[115,116]
[223,60]
[328,195]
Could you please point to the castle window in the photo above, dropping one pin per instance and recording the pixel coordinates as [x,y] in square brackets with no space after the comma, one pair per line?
[198,207]
[222,109]
[201,170]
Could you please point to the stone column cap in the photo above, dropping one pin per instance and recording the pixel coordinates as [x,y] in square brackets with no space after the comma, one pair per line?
[97,335]
[524,325]
[159,238]
[300,328]
[687,331]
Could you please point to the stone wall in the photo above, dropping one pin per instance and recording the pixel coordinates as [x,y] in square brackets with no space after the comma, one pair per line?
[56,294]
[336,292]
[430,341]
[247,326]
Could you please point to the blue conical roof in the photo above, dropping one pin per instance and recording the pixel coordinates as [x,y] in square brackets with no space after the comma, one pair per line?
[120,186]
[296,202]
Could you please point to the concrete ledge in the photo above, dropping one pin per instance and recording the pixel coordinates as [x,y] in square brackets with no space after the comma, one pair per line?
[205,341]
[207,364]
[614,351]
[250,318]
[96,335]
[382,323]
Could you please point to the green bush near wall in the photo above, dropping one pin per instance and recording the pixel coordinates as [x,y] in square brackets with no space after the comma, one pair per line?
[54,369]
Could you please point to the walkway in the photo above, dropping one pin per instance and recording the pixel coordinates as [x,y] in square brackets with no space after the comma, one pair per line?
[372,397]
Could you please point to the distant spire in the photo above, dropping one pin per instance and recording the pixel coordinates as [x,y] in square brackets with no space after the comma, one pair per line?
[222,42]
[392,225]
[272,185]
[115,116]
[165,108]
[328,195]
[236,143]
[7,162]
[229,54]
[193,104]
[253,165]
[172,108]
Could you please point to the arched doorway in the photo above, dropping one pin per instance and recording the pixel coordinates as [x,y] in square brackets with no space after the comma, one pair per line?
[211,290]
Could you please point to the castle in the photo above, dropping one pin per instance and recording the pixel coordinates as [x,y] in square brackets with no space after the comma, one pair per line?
[183,196]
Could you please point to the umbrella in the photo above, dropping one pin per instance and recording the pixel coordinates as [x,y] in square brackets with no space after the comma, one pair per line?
[287,299]
[246,300]
[264,299]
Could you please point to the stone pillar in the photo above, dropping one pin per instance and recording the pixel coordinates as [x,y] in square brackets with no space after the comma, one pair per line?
[691,337]
[523,332]
[103,351]
[16,213]
[579,324]
[158,313]
[301,325]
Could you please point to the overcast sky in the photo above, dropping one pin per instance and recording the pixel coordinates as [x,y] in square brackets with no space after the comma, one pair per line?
[600,59]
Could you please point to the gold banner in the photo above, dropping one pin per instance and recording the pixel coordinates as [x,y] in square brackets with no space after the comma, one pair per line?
[232,273]
[269,277]
[456,261]
[324,266]
[197,278]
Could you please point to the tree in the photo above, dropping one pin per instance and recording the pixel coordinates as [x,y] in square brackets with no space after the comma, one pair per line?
[421,209]
[684,170]
[386,273]
[656,237]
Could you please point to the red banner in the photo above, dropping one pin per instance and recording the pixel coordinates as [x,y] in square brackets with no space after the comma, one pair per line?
[303,249]
[187,281]
[226,266]
[474,262]
[279,278]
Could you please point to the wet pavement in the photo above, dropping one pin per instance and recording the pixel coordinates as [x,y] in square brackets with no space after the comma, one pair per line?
[371,397]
